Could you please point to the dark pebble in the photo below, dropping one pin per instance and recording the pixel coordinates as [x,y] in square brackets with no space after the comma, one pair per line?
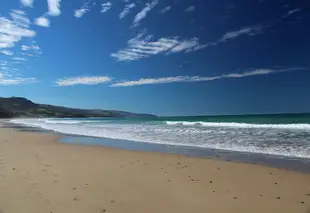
[112,201]
[278,198]
[103,210]
[261,195]
[169,180]
[302,202]
[213,191]
[235,197]
[74,188]
[276,183]
[210,181]
[14,169]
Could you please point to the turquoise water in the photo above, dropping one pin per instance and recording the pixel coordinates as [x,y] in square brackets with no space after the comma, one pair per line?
[281,135]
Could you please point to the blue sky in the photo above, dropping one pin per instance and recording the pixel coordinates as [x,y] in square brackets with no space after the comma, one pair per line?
[175,57]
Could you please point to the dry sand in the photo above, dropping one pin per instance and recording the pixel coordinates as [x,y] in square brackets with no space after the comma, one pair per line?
[38,175]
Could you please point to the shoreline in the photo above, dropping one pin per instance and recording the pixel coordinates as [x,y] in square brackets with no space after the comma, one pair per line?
[274,161]
[40,174]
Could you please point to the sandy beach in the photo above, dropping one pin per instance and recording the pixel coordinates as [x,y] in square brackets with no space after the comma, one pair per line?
[38,174]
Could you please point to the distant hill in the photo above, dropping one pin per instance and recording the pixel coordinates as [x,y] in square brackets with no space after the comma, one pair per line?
[22,107]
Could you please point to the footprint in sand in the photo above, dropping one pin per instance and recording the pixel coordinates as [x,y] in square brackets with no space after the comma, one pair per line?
[76,198]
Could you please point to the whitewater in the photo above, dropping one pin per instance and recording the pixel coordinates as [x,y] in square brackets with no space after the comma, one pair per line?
[280,139]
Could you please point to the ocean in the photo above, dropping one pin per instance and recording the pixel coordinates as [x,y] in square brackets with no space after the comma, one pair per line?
[280,135]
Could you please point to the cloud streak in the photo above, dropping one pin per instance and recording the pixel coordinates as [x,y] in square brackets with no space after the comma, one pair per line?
[54,7]
[82,80]
[166,80]
[143,13]
[190,9]
[105,7]
[126,10]
[7,52]
[27,3]
[84,9]
[166,9]
[16,81]
[42,22]
[15,29]
[143,46]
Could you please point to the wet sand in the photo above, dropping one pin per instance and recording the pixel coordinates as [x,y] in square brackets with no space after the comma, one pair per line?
[39,174]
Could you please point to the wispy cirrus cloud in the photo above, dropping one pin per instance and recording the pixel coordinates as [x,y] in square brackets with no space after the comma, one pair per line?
[19,59]
[105,7]
[175,79]
[6,52]
[84,8]
[14,29]
[190,9]
[166,9]
[31,47]
[126,10]
[247,31]
[143,13]
[143,46]
[27,3]
[42,22]
[82,80]
[53,7]
[5,80]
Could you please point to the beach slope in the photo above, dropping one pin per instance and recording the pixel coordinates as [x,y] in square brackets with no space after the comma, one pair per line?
[39,174]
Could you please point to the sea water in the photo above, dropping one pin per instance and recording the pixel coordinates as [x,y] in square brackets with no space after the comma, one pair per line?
[281,135]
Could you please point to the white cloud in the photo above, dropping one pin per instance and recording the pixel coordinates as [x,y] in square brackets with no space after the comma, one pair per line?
[7,52]
[54,7]
[31,47]
[244,31]
[6,78]
[12,31]
[82,80]
[190,9]
[84,8]
[27,3]
[19,59]
[185,45]
[27,54]
[248,31]
[16,81]
[105,7]
[165,80]
[166,9]
[19,17]
[79,13]
[291,12]
[142,46]
[126,10]
[143,13]
[42,22]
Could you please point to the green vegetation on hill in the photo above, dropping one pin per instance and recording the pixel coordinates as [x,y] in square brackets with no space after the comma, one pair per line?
[22,107]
